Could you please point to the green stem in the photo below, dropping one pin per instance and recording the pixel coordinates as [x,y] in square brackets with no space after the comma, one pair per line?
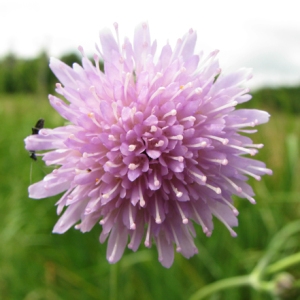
[113,282]
[221,285]
[284,263]
[278,240]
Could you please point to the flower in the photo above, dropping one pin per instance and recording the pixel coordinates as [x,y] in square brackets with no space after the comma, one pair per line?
[153,146]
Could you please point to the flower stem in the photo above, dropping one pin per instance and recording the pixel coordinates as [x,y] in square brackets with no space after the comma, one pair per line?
[113,282]
[221,285]
[284,263]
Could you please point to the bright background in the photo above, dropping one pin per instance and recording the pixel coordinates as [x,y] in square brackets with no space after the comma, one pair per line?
[261,34]
[38,265]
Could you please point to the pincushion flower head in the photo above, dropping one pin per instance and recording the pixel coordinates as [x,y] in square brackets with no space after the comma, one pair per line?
[154,144]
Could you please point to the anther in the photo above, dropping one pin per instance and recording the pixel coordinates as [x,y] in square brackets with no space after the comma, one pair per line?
[133,166]
[217,190]
[223,141]
[159,143]
[131,148]
[173,112]
[189,119]
[177,193]
[185,220]
[157,92]
[111,137]
[178,158]
[153,128]
[157,215]
[176,137]
[77,226]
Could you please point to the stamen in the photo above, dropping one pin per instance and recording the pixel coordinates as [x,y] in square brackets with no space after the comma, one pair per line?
[132,224]
[147,242]
[223,162]
[112,138]
[223,141]
[157,215]
[156,93]
[133,166]
[249,124]
[232,232]
[189,119]
[142,200]
[234,210]
[103,221]
[111,258]
[116,26]
[77,171]
[236,187]
[200,221]
[203,178]
[156,181]
[252,152]
[180,71]
[258,146]
[131,148]
[153,128]
[177,158]
[91,115]
[159,143]
[93,91]
[113,165]
[133,111]
[175,190]
[196,91]
[211,55]
[59,88]
[257,177]
[247,131]
[130,245]
[264,170]
[126,83]
[230,104]
[217,190]
[173,112]
[176,137]
[71,136]
[202,144]
[107,195]
[157,76]
[251,200]
[178,248]
[185,220]
[77,226]
[114,107]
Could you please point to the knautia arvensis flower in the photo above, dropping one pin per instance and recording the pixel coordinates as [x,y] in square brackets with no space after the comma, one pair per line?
[154,144]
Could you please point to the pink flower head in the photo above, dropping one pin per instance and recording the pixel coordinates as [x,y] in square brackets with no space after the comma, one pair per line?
[154,145]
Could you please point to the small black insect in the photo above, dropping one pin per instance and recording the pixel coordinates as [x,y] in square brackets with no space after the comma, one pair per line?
[35,130]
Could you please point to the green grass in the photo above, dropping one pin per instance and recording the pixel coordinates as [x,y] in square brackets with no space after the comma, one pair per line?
[36,264]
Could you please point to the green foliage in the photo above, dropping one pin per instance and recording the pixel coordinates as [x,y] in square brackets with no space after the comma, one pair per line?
[286,99]
[36,264]
[29,76]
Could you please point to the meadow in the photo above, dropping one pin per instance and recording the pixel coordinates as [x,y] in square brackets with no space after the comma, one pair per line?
[36,264]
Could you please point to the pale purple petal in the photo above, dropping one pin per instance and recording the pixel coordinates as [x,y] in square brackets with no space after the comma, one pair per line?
[154,144]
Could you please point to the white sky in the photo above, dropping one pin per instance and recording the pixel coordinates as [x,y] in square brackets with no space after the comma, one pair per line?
[262,34]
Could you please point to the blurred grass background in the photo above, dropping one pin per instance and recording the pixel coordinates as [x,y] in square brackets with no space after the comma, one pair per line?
[36,264]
